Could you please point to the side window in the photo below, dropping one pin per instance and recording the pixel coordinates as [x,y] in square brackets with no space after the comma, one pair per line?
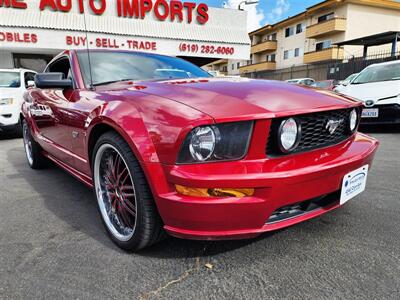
[326,17]
[62,66]
[308,82]
[286,54]
[323,45]
[28,76]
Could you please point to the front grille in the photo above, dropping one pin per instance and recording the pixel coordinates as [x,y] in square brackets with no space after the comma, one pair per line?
[313,134]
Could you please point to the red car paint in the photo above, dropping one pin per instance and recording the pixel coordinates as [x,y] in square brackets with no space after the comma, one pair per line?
[155,117]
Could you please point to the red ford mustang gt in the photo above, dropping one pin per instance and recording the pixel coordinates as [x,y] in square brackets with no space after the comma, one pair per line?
[167,148]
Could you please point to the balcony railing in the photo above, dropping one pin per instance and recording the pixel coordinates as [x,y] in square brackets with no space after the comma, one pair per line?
[264,46]
[326,27]
[263,66]
[323,55]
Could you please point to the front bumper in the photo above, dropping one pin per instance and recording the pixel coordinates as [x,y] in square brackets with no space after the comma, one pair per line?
[9,116]
[388,114]
[278,182]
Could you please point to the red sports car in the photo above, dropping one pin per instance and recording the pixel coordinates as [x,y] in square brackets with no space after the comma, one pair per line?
[167,148]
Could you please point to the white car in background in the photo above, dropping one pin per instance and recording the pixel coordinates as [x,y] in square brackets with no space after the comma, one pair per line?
[378,87]
[302,81]
[342,84]
[13,84]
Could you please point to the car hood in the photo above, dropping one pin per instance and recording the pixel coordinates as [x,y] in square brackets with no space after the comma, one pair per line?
[372,91]
[240,98]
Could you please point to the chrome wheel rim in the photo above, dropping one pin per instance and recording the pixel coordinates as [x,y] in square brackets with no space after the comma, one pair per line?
[27,143]
[115,192]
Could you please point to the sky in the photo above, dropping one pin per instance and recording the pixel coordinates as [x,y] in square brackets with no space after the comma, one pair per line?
[266,11]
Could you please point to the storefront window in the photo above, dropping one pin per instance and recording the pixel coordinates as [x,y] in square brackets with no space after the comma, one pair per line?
[35,62]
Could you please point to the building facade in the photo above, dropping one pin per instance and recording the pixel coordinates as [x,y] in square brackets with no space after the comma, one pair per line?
[310,36]
[226,67]
[32,32]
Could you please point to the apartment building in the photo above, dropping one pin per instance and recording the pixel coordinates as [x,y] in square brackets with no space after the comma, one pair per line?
[219,67]
[310,36]
[226,67]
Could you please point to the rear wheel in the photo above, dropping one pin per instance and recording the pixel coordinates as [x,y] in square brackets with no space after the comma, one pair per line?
[35,158]
[124,198]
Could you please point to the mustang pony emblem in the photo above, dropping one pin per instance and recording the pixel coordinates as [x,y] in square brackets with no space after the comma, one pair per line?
[332,125]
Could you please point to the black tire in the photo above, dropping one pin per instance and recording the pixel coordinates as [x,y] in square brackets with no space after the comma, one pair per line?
[33,151]
[148,228]
[18,129]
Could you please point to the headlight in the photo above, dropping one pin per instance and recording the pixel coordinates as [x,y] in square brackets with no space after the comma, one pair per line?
[6,101]
[220,142]
[353,120]
[202,143]
[288,134]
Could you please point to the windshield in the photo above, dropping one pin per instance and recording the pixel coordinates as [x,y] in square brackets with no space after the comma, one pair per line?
[350,78]
[321,84]
[378,73]
[10,80]
[110,67]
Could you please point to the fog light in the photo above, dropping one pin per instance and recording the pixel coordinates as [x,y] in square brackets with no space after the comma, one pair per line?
[214,192]
[6,101]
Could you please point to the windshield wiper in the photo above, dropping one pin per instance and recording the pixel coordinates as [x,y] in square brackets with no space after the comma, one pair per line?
[111,81]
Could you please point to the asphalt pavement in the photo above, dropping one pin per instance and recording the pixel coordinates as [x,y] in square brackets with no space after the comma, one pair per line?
[53,245]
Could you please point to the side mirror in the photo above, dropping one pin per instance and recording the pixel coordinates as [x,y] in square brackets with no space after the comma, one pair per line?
[30,84]
[345,83]
[52,81]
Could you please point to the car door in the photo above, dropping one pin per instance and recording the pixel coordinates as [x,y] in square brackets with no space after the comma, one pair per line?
[50,113]
[82,108]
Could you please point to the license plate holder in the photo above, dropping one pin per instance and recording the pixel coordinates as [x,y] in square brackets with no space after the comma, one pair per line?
[353,184]
[370,113]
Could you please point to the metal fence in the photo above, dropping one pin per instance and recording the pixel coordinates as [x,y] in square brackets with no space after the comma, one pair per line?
[352,65]
[338,70]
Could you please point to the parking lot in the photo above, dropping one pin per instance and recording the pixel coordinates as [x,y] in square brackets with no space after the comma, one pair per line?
[53,245]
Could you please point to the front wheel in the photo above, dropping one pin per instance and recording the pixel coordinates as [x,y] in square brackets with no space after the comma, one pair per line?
[124,198]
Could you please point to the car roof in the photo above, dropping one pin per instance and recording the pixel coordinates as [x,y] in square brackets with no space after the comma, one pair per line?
[17,70]
[300,79]
[385,63]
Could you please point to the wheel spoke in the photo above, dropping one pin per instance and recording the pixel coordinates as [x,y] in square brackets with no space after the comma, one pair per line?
[126,188]
[117,192]
[128,195]
[129,207]
[111,170]
[124,216]
[117,165]
[120,174]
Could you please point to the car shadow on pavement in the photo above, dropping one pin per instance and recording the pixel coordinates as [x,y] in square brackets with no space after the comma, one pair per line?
[8,136]
[74,203]
[62,194]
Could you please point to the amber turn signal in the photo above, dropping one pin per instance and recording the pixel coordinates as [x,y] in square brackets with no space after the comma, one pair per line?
[214,192]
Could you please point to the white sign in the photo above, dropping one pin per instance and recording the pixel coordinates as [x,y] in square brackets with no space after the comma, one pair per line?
[353,184]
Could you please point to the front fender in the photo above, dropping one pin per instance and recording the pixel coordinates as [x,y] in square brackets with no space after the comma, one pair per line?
[129,125]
